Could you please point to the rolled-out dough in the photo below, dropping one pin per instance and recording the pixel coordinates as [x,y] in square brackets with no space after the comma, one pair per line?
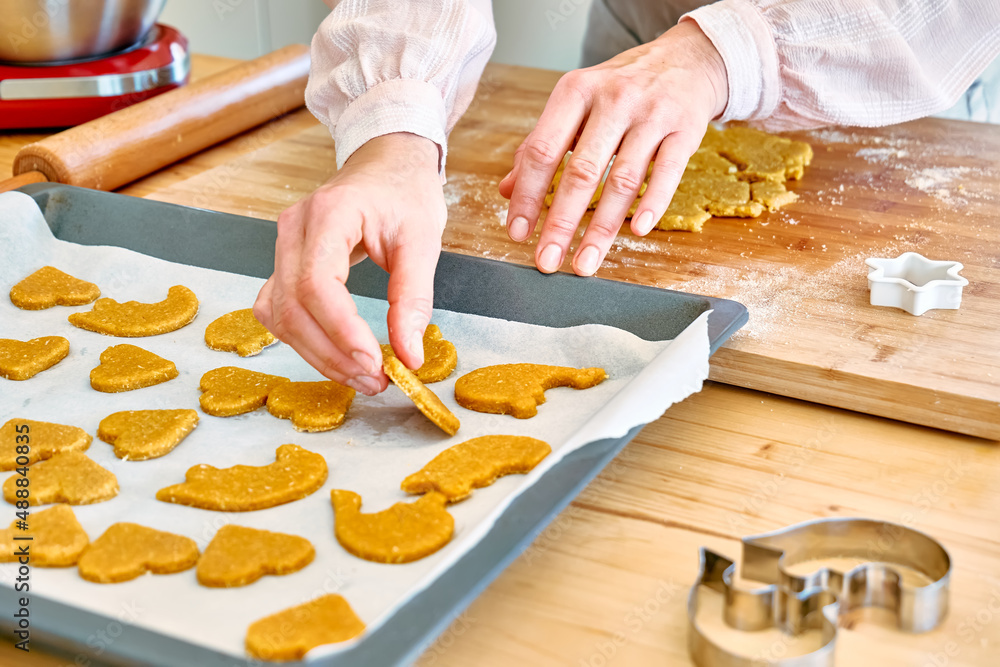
[736,172]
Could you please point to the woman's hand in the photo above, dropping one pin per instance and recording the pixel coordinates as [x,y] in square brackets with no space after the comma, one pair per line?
[653,101]
[386,202]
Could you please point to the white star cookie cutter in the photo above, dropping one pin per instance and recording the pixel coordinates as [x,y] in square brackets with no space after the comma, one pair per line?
[914,283]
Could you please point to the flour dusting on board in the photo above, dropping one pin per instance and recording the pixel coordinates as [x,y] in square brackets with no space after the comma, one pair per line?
[476,197]
[881,155]
[474,192]
[911,156]
[937,180]
[634,244]
[775,296]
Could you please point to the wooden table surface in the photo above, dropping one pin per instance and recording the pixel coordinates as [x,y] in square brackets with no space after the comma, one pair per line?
[606,583]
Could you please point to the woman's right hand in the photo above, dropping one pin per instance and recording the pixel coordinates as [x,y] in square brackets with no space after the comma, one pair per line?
[386,202]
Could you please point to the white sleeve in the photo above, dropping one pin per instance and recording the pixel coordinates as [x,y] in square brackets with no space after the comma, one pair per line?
[382,66]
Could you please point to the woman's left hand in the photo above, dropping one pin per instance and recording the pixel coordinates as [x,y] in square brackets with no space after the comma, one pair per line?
[653,101]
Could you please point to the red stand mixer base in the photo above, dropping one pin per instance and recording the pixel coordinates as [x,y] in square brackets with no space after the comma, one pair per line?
[65,94]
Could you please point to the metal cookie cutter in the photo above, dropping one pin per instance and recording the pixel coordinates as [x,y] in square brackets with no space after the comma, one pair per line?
[796,603]
[914,283]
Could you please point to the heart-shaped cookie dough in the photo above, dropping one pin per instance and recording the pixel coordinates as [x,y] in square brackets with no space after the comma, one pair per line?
[426,400]
[311,406]
[128,550]
[231,391]
[239,332]
[56,539]
[138,435]
[295,473]
[476,463]
[20,360]
[440,356]
[134,319]
[401,534]
[48,286]
[127,367]
[43,440]
[238,556]
[293,632]
[518,389]
[68,477]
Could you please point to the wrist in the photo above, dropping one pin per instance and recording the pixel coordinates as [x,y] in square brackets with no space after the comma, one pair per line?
[709,63]
[401,147]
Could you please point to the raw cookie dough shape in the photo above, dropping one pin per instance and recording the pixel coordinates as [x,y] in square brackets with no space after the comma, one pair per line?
[295,474]
[759,156]
[134,319]
[126,367]
[722,178]
[476,463]
[231,391]
[57,538]
[67,477]
[293,632]
[440,356]
[238,556]
[239,332]
[138,435]
[44,440]
[311,406]
[517,389]
[128,550]
[426,400]
[48,286]
[21,360]
[402,533]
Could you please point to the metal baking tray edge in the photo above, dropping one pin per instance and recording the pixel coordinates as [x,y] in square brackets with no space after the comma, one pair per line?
[463,283]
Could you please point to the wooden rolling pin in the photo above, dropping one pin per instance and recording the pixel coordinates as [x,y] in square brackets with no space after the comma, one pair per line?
[113,150]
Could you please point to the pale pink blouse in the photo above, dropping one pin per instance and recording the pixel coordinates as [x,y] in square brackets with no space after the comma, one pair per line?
[381,66]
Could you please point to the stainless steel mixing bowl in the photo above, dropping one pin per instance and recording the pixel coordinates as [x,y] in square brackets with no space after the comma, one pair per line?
[44,31]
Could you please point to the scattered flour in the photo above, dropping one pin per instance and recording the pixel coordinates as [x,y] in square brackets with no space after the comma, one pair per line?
[474,193]
[636,244]
[908,154]
[776,295]
[934,180]
[881,155]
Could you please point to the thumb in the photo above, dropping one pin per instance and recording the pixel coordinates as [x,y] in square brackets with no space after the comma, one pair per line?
[506,186]
[411,295]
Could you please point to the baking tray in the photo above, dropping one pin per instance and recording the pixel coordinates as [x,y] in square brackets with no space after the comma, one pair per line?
[465,284]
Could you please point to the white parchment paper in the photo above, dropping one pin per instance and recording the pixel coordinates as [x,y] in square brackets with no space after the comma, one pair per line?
[383,439]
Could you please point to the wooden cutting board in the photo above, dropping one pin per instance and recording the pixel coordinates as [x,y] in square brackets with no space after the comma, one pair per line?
[929,186]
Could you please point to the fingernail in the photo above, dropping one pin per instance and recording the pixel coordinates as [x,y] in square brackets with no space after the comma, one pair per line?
[644,223]
[587,261]
[366,385]
[365,361]
[518,229]
[417,345]
[551,258]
